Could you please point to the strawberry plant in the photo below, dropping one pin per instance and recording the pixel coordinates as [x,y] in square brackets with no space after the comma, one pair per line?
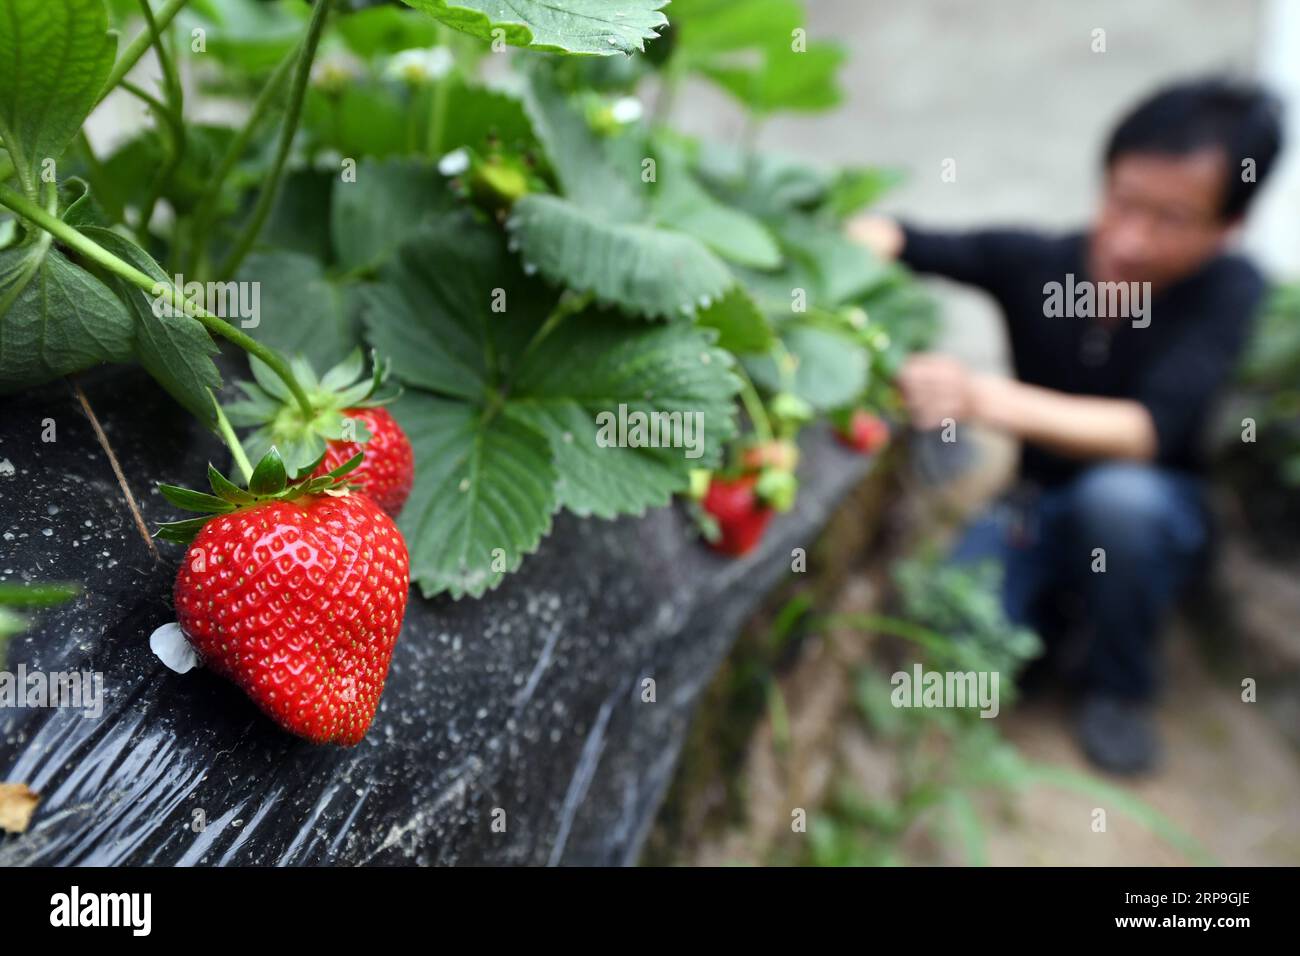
[481,200]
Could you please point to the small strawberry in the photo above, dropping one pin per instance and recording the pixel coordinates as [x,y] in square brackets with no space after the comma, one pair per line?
[780,454]
[864,432]
[387,471]
[347,418]
[295,591]
[740,515]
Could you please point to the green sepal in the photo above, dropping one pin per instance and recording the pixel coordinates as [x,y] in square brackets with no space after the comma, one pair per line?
[269,482]
[306,470]
[181,532]
[269,477]
[223,487]
[277,420]
[195,500]
[346,467]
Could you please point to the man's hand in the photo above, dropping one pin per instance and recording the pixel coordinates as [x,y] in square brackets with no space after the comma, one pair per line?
[881,235]
[936,387]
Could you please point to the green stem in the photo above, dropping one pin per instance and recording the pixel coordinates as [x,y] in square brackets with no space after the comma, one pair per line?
[203,215]
[228,433]
[93,251]
[171,118]
[666,98]
[267,196]
[171,81]
[754,406]
[784,365]
[137,47]
[571,303]
[441,92]
[172,114]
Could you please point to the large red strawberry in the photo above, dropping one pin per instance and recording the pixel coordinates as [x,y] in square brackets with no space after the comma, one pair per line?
[387,471]
[740,514]
[295,591]
[346,418]
[864,432]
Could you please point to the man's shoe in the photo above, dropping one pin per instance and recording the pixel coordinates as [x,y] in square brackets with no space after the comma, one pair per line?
[1118,735]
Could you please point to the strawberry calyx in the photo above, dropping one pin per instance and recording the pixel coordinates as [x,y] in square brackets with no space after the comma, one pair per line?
[494,180]
[278,421]
[270,481]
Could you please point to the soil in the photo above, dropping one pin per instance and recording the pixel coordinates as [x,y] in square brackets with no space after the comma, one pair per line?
[1230,778]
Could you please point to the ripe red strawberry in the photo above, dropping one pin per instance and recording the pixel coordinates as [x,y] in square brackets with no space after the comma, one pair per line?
[866,432]
[741,516]
[346,418]
[295,591]
[388,470]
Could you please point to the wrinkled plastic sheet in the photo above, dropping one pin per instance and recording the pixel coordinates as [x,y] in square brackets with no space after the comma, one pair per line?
[513,729]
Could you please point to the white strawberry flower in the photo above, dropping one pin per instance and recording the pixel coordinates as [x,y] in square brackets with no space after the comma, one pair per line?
[626,109]
[454,163]
[420,66]
[333,71]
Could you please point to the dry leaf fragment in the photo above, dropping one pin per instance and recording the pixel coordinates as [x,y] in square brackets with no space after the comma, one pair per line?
[17,804]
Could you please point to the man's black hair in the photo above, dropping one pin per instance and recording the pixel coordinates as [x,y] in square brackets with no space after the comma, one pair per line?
[1242,119]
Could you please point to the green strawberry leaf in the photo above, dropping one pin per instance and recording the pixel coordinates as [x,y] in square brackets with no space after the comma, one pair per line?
[750,50]
[55,317]
[55,56]
[301,311]
[598,27]
[585,386]
[741,325]
[478,116]
[385,30]
[453,308]
[788,80]
[587,173]
[508,404]
[367,116]
[174,348]
[484,499]
[247,35]
[683,204]
[829,370]
[600,238]
[647,271]
[855,189]
[374,215]
[844,270]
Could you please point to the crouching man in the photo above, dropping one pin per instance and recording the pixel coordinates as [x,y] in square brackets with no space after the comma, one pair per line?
[1121,335]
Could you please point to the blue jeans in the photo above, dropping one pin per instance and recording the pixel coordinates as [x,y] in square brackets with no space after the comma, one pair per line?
[1152,529]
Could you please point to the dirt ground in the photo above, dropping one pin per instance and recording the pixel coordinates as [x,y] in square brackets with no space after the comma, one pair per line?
[1230,779]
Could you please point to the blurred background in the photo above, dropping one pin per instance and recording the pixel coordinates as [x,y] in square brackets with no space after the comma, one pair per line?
[1021,94]
[1018,95]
